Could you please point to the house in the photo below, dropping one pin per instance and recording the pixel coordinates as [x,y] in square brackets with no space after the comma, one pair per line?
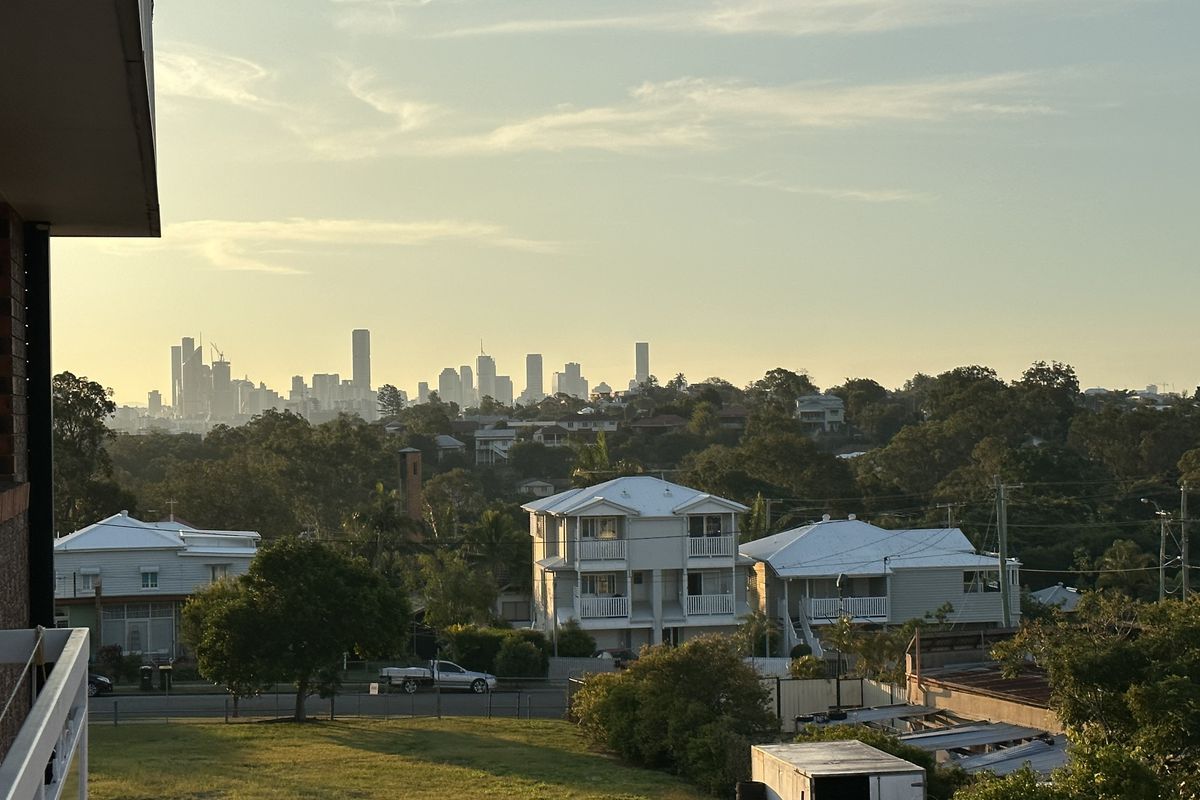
[733,418]
[492,445]
[821,413]
[77,158]
[663,423]
[1064,598]
[448,446]
[588,422]
[811,576]
[136,575]
[637,560]
[535,487]
[819,770]
[552,436]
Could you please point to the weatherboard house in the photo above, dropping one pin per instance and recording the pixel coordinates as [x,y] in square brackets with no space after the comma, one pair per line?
[811,576]
[637,560]
[127,580]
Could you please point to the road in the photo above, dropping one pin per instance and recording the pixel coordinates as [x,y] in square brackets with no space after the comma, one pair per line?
[539,703]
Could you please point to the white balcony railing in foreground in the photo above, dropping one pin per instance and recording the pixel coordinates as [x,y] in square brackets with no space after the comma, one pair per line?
[604,606]
[823,608]
[709,604]
[710,545]
[601,549]
[56,727]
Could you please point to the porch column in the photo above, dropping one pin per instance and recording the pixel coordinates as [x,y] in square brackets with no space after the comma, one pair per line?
[656,604]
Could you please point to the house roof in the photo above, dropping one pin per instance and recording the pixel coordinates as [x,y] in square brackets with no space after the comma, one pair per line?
[643,495]
[536,482]
[444,442]
[837,758]
[123,532]
[660,421]
[552,430]
[853,547]
[1059,596]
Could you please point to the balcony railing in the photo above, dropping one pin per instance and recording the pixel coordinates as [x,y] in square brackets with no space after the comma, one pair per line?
[603,607]
[601,549]
[826,608]
[709,604]
[710,545]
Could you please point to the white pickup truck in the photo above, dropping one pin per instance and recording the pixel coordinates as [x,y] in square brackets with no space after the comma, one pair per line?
[445,674]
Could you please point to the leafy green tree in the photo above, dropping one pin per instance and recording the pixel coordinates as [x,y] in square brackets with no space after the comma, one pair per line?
[519,659]
[313,604]
[758,635]
[808,667]
[84,490]
[454,593]
[452,501]
[1126,568]
[535,460]
[496,545]
[223,628]
[779,389]
[574,642]
[391,402]
[704,732]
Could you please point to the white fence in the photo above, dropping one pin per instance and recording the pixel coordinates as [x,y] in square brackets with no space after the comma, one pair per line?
[601,549]
[710,545]
[833,607]
[792,698]
[700,604]
[563,668]
[604,607]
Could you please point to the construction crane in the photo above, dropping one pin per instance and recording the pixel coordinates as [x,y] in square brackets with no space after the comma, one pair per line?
[212,346]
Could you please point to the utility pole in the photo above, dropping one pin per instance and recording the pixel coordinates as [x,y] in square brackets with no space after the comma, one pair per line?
[1162,546]
[1183,542]
[1002,530]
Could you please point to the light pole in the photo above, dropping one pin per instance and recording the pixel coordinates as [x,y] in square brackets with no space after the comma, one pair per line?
[841,623]
[1162,546]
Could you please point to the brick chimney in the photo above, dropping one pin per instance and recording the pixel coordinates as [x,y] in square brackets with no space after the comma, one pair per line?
[410,481]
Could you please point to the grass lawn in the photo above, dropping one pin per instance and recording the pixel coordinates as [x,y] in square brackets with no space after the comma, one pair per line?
[460,758]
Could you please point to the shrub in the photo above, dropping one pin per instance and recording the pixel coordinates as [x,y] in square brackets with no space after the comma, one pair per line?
[692,709]
[574,641]
[519,659]
[473,647]
[801,650]
[538,640]
[109,659]
[808,668]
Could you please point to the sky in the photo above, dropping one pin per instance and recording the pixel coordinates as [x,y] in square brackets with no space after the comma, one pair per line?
[856,188]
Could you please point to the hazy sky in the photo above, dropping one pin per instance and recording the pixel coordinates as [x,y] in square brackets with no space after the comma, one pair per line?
[853,187]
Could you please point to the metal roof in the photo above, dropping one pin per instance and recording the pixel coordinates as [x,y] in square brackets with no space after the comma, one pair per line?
[1044,757]
[837,758]
[646,495]
[854,716]
[972,735]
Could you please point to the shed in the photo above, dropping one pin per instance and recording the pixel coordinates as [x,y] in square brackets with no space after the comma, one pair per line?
[828,770]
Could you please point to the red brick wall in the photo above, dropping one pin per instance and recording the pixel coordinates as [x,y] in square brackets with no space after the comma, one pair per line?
[14,455]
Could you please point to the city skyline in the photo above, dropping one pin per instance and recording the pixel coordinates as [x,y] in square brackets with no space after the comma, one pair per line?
[927,183]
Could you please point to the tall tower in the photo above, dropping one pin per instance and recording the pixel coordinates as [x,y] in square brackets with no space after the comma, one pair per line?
[361,341]
[485,369]
[466,387]
[534,387]
[176,377]
[450,386]
[224,400]
[641,358]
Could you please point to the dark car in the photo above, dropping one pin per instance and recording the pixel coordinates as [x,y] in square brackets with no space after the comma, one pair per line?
[620,656]
[98,684]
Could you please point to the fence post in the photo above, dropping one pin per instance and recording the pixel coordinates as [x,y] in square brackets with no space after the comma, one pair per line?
[518,703]
[489,716]
[115,713]
[226,710]
[277,701]
[778,701]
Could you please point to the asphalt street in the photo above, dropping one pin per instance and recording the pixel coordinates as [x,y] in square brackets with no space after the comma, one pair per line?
[539,703]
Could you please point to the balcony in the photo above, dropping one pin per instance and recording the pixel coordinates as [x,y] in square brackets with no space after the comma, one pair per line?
[823,609]
[701,604]
[601,549]
[702,546]
[593,607]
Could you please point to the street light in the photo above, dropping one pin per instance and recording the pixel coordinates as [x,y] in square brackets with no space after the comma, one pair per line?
[841,622]
[1162,546]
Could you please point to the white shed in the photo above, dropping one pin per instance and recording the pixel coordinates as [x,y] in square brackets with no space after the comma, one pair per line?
[834,771]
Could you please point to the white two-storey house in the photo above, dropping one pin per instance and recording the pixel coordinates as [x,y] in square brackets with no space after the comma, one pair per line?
[127,580]
[637,560]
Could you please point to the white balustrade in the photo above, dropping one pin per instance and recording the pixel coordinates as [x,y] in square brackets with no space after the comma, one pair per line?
[824,608]
[603,606]
[601,549]
[709,604]
[710,545]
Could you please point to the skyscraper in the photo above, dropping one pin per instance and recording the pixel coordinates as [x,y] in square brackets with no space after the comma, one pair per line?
[422,392]
[504,391]
[570,381]
[485,369]
[176,376]
[534,388]
[641,358]
[224,399]
[361,346]
[466,387]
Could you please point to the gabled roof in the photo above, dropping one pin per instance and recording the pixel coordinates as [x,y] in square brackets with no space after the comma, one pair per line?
[444,442]
[644,495]
[853,547]
[123,532]
[1065,598]
[552,430]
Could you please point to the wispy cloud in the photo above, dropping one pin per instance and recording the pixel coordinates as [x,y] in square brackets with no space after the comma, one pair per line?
[844,193]
[262,245]
[191,71]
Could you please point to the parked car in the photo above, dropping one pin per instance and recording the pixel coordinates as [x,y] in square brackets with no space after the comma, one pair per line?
[620,656]
[98,684]
[445,674]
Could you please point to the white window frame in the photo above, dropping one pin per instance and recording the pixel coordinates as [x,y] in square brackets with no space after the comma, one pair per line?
[598,584]
[713,525]
[213,577]
[152,574]
[599,528]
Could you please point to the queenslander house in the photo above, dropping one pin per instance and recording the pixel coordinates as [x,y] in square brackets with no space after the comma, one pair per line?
[809,577]
[637,560]
[127,580]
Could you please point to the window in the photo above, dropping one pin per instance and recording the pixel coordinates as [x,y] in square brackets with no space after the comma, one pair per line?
[88,578]
[981,581]
[598,585]
[599,527]
[704,525]
[711,582]
[149,578]
[217,572]
[539,524]
[514,610]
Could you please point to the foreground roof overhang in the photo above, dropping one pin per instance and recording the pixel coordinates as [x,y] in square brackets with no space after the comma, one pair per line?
[76,94]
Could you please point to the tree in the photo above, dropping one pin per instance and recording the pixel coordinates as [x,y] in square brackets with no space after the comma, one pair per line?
[495,545]
[313,604]
[83,487]
[391,401]
[572,641]
[223,628]
[693,709]
[452,500]
[454,593]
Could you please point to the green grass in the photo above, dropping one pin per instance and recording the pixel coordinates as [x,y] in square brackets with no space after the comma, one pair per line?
[459,758]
